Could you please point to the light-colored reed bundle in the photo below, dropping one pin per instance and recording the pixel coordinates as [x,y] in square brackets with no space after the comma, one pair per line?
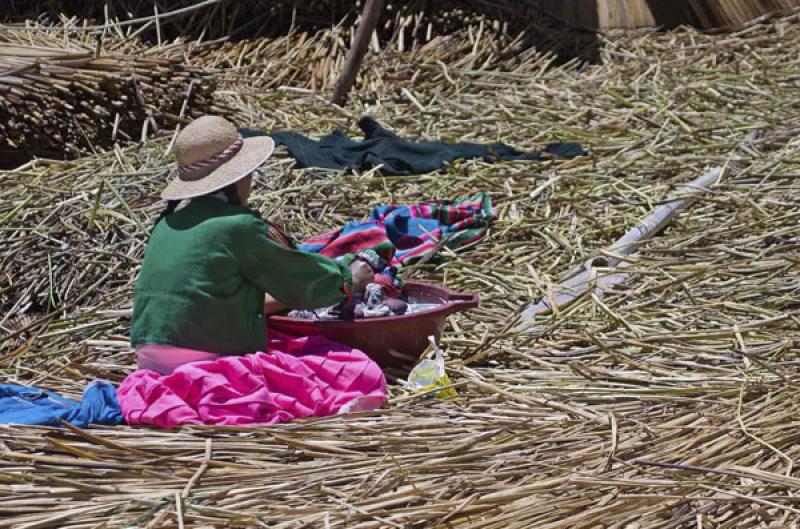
[66,102]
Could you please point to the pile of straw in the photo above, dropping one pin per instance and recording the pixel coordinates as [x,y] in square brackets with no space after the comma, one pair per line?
[668,403]
[314,60]
[716,13]
[248,18]
[65,102]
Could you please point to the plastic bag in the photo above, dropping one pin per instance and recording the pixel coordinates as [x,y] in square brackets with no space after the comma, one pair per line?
[429,374]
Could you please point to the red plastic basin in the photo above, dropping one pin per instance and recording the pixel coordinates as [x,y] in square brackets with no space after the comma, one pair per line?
[393,341]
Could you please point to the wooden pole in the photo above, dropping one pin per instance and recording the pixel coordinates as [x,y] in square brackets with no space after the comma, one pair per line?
[369,19]
[583,278]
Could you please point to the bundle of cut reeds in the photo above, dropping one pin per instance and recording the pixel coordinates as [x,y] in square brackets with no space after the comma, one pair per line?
[64,103]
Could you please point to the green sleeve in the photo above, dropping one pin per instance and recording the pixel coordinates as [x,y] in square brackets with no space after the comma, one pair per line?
[294,278]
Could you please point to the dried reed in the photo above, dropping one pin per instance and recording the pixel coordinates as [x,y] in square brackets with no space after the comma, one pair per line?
[67,102]
[670,403]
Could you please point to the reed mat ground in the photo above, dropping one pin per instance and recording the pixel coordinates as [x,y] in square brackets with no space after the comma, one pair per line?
[669,403]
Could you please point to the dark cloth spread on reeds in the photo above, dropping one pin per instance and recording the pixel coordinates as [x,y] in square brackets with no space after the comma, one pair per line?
[30,405]
[398,156]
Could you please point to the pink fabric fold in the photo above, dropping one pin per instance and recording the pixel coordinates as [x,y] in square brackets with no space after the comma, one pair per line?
[295,378]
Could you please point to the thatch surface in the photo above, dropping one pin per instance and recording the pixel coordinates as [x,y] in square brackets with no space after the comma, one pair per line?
[615,14]
[670,403]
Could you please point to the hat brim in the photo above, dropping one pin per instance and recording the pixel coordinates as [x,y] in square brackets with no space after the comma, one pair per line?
[254,152]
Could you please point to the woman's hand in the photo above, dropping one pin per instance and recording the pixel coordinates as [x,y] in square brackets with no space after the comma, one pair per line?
[362,275]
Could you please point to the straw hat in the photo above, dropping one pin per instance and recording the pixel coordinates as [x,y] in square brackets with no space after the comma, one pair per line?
[210,155]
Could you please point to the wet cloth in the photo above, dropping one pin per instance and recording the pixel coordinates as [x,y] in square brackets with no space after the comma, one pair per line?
[295,378]
[403,235]
[30,405]
[381,146]
[373,303]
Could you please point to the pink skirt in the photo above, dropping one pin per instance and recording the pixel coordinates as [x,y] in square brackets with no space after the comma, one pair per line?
[295,378]
[163,359]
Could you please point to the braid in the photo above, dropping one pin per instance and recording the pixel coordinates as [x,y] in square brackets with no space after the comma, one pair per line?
[169,210]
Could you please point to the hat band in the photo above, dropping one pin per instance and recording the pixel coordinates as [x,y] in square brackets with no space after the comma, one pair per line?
[216,160]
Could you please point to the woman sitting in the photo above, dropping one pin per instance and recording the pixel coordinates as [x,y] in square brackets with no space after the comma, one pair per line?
[210,267]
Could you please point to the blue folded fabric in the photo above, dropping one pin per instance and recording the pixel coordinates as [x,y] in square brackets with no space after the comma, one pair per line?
[30,405]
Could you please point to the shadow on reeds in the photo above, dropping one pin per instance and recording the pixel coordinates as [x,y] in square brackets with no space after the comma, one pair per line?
[673,13]
[541,28]
[246,19]
[11,157]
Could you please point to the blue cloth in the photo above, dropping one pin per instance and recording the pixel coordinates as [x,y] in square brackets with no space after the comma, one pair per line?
[30,405]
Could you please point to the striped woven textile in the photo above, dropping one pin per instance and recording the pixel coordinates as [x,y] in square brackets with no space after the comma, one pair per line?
[403,235]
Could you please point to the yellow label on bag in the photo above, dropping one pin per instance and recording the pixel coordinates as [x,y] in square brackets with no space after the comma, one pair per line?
[442,382]
[429,375]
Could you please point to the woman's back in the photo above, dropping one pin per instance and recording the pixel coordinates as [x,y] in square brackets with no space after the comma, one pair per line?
[191,291]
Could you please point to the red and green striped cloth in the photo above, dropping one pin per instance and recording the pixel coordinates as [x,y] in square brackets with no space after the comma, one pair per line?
[403,235]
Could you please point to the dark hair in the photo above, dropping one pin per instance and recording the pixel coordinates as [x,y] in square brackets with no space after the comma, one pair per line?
[230,191]
[232,194]
[169,210]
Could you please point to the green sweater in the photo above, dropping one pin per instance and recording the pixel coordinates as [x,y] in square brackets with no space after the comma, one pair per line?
[206,269]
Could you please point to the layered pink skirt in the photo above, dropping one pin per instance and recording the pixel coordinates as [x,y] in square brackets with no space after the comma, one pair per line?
[295,378]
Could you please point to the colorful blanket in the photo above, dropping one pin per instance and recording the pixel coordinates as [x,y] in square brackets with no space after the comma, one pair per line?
[296,378]
[403,235]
